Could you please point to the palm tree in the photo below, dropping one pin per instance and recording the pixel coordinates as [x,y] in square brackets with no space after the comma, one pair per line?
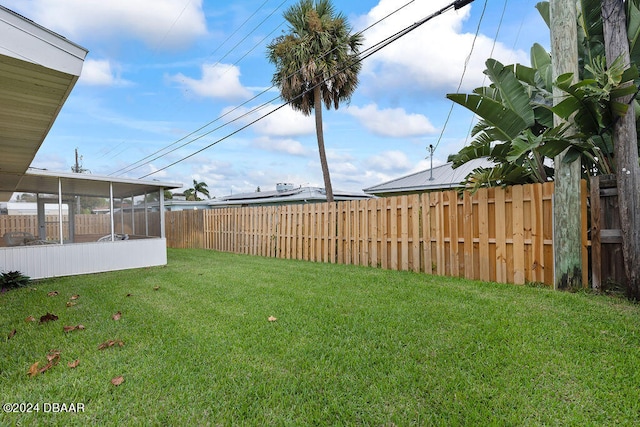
[200,187]
[318,61]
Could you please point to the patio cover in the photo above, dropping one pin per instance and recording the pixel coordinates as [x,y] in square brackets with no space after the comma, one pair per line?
[77,184]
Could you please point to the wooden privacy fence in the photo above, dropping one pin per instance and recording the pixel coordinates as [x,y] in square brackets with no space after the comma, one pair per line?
[496,234]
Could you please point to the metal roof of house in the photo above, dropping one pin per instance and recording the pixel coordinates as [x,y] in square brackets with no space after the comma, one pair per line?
[444,177]
[296,195]
[38,69]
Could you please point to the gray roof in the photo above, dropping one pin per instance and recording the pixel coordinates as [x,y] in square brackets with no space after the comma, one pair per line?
[444,177]
[296,195]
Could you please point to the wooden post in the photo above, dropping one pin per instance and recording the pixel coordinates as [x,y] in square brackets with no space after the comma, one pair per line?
[625,149]
[567,239]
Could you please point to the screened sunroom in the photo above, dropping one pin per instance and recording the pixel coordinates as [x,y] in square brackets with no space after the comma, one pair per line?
[84,224]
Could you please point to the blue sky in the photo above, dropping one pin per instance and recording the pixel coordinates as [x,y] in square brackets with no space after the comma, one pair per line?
[161,73]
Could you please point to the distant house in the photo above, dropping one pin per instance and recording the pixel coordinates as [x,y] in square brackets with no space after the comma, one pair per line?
[442,177]
[285,194]
[30,208]
[181,205]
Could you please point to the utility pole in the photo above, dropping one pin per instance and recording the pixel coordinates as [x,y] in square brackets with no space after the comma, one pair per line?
[567,240]
[77,168]
[625,148]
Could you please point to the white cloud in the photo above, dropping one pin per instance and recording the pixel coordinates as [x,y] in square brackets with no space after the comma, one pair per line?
[157,173]
[102,73]
[389,161]
[283,122]
[159,23]
[432,57]
[50,161]
[288,146]
[393,122]
[218,81]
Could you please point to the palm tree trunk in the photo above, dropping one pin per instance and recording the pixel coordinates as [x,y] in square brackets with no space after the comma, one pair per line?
[317,99]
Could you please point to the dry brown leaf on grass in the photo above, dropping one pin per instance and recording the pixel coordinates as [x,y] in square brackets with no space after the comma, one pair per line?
[73,328]
[29,319]
[117,380]
[52,294]
[73,364]
[74,297]
[12,334]
[272,319]
[110,343]
[155,288]
[48,318]
[53,357]
[71,304]
[117,316]
[33,370]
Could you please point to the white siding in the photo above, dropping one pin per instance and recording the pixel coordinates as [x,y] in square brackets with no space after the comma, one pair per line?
[45,261]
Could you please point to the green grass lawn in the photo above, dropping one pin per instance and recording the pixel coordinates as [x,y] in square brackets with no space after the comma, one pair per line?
[350,346]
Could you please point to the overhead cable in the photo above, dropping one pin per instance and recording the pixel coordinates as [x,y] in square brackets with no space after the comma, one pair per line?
[375,48]
[464,71]
[139,163]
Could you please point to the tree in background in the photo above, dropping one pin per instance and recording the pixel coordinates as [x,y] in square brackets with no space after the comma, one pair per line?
[316,63]
[191,194]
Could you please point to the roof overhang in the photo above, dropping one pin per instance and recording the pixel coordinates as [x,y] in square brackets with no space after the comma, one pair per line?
[77,184]
[38,70]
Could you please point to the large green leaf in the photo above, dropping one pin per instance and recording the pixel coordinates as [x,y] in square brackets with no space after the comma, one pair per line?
[470,152]
[525,74]
[514,95]
[633,29]
[522,146]
[590,18]
[543,9]
[541,61]
[505,121]
[539,57]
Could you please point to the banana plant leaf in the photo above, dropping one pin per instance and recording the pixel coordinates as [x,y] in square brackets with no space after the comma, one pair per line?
[514,95]
[506,122]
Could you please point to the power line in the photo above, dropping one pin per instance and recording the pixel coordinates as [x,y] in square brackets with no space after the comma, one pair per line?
[484,78]
[130,167]
[464,70]
[251,32]
[375,48]
[142,162]
[239,27]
